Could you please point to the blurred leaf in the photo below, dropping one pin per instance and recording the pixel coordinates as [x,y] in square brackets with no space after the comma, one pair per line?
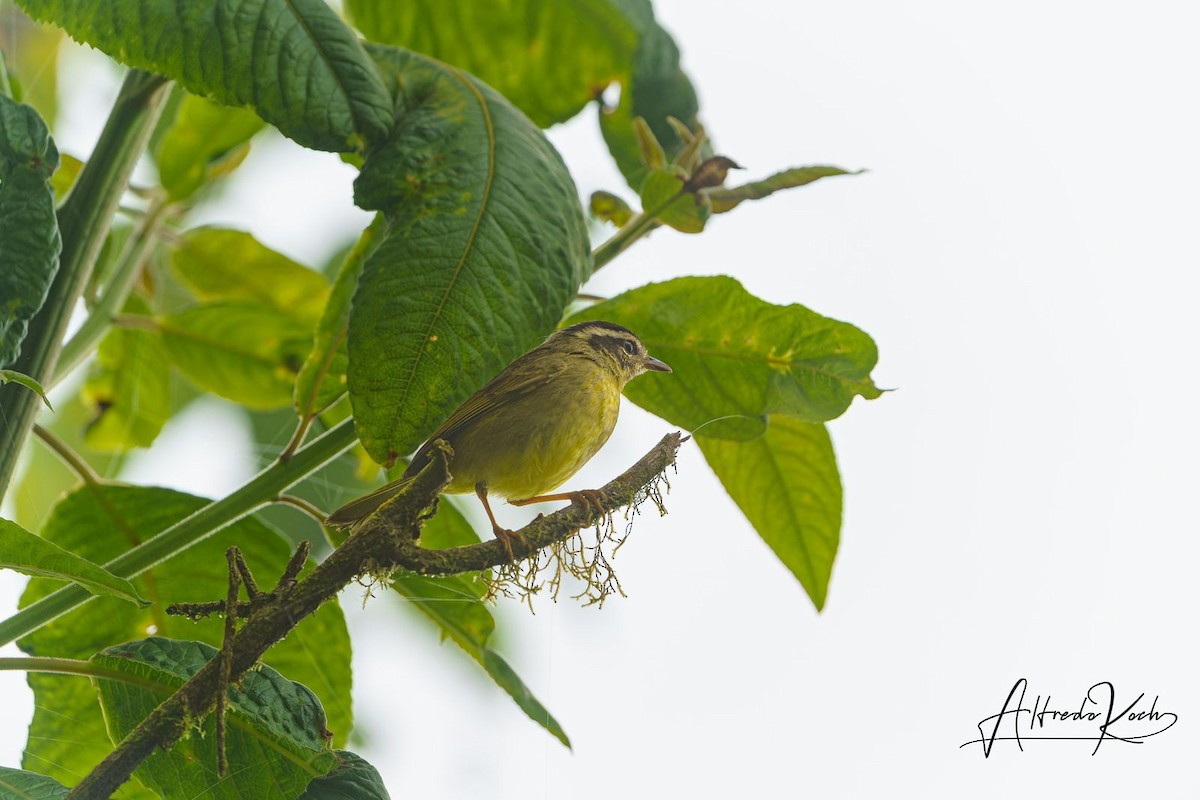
[32,61]
[16,784]
[128,388]
[725,198]
[294,61]
[244,352]
[205,141]
[21,379]
[550,58]
[29,239]
[656,89]
[664,198]
[64,177]
[66,737]
[485,246]
[787,485]
[29,554]
[352,779]
[274,727]
[46,479]
[322,379]
[610,208]
[738,358]
[223,264]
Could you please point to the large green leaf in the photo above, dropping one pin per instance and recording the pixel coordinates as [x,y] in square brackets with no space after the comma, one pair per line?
[353,779]
[294,61]
[656,89]
[128,389]
[29,554]
[29,238]
[275,727]
[786,483]
[17,784]
[205,140]
[738,358]
[66,737]
[549,57]
[485,245]
[245,352]
[224,264]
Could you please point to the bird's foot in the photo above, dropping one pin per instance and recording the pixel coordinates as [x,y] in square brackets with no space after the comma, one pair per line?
[590,499]
[506,538]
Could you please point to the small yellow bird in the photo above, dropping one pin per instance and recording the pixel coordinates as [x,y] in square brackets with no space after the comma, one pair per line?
[534,425]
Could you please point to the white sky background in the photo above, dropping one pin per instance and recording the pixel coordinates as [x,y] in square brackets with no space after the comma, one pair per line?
[1023,251]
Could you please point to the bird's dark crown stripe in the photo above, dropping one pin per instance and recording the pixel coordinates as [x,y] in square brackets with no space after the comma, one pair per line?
[597,326]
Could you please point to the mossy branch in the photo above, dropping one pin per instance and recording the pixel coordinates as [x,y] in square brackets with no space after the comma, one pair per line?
[384,542]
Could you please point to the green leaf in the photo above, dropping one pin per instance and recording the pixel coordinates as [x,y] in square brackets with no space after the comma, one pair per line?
[275,728]
[66,737]
[29,238]
[244,352]
[353,779]
[17,784]
[664,198]
[550,58]
[64,177]
[322,378]
[610,208]
[485,246]
[727,198]
[29,554]
[787,485]
[223,264]
[656,89]
[128,389]
[21,379]
[293,61]
[205,141]
[738,358]
[455,604]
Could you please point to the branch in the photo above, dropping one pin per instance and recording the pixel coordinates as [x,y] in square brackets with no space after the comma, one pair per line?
[384,542]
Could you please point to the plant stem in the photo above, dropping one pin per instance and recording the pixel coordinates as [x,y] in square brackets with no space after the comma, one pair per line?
[83,220]
[69,457]
[637,227]
[70,666]
[261,489]
[125,276]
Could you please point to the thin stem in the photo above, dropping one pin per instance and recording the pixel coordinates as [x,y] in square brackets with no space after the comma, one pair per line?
[190,530]
[68,456]
[84,220]
[71,666]
[105,310]
[308,508]
[637,227]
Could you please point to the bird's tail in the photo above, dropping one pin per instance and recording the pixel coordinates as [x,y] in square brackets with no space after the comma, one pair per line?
[359,509]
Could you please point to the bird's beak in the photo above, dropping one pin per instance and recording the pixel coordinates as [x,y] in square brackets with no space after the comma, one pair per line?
[652,363]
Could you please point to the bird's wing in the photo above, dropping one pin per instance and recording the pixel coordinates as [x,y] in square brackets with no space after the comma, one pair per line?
[524,377]
[362,507]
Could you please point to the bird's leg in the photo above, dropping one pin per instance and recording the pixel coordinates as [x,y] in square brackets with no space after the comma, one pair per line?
[503,534]
[588,498]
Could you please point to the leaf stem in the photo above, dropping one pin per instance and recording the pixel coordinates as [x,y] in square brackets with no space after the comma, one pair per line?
[638,226]
[70,666]
[208,520]
[69,457]
[104,312]
[83,220]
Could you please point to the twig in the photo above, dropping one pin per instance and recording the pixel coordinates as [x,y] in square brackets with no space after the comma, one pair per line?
[384,542]
[237,566]
[73,460]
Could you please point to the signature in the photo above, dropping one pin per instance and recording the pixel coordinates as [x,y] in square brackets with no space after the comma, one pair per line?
[1099,718]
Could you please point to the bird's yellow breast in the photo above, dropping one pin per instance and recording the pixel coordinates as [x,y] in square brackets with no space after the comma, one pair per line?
[526,448]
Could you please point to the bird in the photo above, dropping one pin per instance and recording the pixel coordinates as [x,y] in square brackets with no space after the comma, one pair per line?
[533,426]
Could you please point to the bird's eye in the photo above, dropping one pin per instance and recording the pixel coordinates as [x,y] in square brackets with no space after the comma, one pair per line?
[629,348]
